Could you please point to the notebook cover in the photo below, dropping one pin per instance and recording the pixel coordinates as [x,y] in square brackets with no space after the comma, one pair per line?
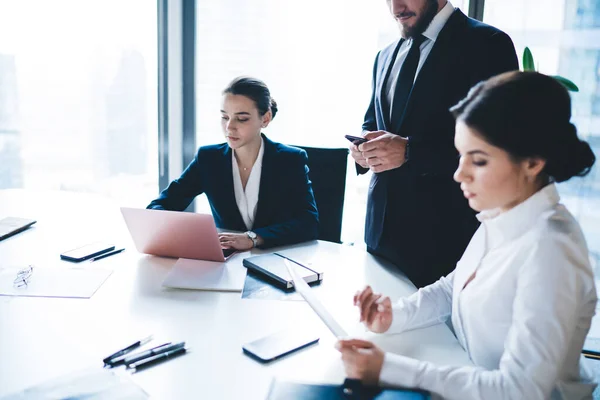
[349,390]
[273,267]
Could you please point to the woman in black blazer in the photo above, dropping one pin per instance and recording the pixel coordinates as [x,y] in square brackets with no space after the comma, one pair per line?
[253,185]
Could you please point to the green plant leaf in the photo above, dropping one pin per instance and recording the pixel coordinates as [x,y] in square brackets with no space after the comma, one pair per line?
[528,64]
[569,85]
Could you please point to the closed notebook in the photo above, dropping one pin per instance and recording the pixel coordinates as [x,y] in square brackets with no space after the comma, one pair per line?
[272,266]
[349,390]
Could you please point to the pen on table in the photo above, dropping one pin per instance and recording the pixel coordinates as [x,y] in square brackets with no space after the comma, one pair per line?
[133,358]
[147,362]
[110,253]
[591,354]
[127,349]
[113,362]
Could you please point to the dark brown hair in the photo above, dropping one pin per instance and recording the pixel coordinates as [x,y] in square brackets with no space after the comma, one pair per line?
[528,114]
[254,89]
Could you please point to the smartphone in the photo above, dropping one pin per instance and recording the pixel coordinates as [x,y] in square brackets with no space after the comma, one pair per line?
[356,139]
[86,252]
[279,344]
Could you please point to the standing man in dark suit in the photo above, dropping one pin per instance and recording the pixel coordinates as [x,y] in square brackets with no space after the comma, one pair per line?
[417,217]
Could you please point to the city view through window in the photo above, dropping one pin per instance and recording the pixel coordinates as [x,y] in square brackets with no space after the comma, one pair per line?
[78,97]
[564,37]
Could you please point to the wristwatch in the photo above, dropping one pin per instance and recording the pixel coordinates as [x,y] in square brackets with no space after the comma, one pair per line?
[253,237]
[407,149]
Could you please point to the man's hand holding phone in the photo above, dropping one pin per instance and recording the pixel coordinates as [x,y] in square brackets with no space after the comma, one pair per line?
[383,151]
[355,152]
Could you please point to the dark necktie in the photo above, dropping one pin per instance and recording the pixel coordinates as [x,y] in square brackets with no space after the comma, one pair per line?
[405,80]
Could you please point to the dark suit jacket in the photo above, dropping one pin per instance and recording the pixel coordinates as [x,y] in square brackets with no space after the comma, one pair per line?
[286,211]
[416,214]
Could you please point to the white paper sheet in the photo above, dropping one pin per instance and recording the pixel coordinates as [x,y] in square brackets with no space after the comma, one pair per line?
[77,282]
[90,384]
[207,275]
[302,287]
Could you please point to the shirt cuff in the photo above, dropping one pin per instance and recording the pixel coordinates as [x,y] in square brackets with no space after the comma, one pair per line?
[399,370]
[398,318]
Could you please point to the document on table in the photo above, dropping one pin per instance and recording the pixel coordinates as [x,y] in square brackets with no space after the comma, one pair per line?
[76,282]
[92,384]
[226,276]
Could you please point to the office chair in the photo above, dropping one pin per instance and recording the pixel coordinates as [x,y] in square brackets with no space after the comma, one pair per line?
[327,172]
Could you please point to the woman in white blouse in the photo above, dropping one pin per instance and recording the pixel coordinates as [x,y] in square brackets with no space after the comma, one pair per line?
[253,185]
[522,297]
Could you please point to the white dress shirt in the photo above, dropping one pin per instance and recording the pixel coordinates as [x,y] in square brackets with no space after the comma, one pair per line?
[431,33]
[247,200]
[522,319]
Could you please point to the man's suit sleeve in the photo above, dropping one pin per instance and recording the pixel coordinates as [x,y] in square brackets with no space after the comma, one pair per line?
[296,195]
[490,54]
[370,122]
[182,191]
[495,56]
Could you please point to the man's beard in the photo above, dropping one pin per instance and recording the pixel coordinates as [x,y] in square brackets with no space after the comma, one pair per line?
[429,12]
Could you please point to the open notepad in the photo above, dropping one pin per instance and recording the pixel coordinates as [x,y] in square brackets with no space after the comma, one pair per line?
[206,275]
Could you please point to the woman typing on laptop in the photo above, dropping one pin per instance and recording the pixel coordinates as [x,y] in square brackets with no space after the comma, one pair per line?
[522,297]
[253,185]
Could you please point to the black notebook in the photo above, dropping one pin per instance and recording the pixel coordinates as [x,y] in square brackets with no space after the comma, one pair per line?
[273,267]
[350,390]
[12,225]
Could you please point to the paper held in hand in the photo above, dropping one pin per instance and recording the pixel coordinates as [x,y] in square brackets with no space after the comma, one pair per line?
[302,287]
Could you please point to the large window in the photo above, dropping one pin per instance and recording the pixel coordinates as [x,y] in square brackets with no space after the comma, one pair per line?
[317,58]
[78,96]
[564,36]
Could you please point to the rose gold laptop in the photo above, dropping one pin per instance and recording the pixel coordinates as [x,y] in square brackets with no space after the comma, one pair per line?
[175,234]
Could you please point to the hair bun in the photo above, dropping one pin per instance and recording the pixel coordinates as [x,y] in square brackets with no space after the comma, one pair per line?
[576,157]
[273,107]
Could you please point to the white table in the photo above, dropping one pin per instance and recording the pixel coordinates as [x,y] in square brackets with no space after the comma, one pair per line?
[43,338]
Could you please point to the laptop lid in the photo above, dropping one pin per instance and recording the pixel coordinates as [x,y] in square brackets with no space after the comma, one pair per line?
[174,234]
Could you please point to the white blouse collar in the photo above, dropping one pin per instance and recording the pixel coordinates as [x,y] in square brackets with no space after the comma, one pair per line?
[504,226]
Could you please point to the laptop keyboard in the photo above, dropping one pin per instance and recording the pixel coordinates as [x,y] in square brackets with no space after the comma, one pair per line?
[228,252]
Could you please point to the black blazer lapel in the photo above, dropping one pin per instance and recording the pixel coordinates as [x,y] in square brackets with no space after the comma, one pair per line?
[226,186]
[267,180]
[385,70]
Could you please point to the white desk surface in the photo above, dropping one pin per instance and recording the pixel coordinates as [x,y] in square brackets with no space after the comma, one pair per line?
[43,338]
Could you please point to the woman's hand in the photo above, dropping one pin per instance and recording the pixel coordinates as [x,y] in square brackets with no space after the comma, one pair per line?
[362,360]
[375,310]
[238,241]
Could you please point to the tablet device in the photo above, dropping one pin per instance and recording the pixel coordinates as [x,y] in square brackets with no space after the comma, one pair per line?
[86,252]
[279,344]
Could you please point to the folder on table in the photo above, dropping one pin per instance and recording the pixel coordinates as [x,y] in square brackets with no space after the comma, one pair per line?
[272,266]
[351,389]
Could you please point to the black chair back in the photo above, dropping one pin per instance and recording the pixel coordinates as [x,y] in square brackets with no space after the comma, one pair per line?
[327,172]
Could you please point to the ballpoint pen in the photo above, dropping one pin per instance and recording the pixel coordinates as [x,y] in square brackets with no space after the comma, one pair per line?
[147,362]
[110,253]
[113,362]
[133,358]
[127,349]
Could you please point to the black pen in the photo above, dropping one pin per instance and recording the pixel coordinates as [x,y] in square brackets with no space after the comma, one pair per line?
[147,362]
[110,253]
[133,358]
[113,362]
[127,349]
